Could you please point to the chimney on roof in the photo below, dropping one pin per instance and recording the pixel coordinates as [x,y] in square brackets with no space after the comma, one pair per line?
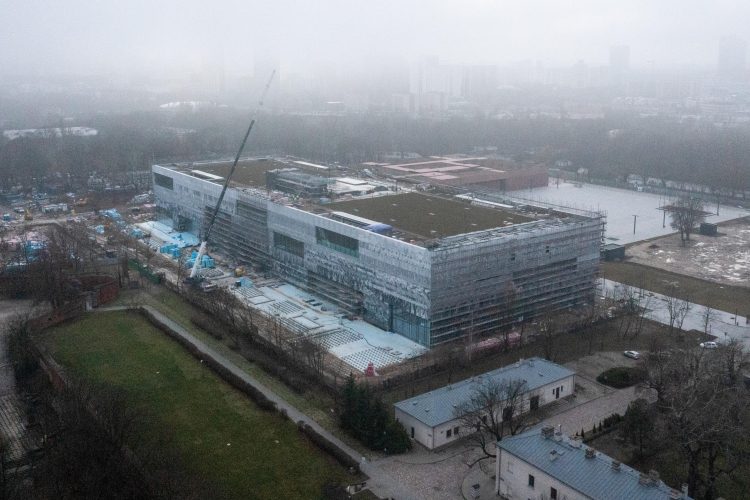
[684,490]
[642,479]
[654,477]
[531,362]
[548,432]
[479,380]
[576,441]
[615,465]
[675,494]
[558,436]
[553,455]
[590,453]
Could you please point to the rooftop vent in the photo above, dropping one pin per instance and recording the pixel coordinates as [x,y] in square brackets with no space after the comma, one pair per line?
[553,455]
[616,465]
[548,432]
[654,477]
[479,380]
[576,441]
[558,436]
[590,453]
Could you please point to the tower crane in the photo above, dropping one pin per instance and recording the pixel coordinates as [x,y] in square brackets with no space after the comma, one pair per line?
[193,278]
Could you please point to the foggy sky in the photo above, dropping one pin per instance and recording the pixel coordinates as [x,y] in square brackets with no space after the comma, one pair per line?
[162,36]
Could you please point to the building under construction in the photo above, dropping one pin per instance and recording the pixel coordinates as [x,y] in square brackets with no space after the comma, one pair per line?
[297,183]
[431,269]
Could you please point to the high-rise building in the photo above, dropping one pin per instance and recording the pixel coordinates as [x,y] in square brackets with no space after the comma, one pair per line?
[732,52]
[619,65]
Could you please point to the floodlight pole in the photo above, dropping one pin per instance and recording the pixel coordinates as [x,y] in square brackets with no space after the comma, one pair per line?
[635,217]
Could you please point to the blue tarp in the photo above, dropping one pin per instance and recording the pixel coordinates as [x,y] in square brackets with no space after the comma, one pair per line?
[379,228]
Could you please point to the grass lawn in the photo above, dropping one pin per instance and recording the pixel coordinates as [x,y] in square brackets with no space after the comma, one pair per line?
[218,431]
[703,292]
[317,405]
[421,214]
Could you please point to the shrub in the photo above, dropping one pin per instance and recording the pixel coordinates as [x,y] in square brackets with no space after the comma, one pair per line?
[367,419]
[613,419]
[621,377]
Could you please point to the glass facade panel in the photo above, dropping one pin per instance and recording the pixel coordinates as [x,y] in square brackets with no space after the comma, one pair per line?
[288,244]
[163,181]
[411,326]
[338,242]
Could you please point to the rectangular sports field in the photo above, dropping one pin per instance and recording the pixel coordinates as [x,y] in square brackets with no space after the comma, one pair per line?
[427,216]
[217,430]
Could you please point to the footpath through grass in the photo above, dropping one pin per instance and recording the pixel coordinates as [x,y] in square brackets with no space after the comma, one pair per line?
[699,291]
[218,431]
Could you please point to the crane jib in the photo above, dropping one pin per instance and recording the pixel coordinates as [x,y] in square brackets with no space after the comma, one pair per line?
[202,248]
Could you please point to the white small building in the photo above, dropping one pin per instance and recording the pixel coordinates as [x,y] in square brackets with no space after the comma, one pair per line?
[550,465]
[431,418]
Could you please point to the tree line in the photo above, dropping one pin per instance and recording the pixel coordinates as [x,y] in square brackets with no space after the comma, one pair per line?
[610,148]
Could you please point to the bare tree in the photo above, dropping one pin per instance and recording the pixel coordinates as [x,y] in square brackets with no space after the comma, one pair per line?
[642,312]
[228,309]
[704,410]
[686,213]
[626,301]
[315,355]
[181,271]
[677,308]
[707,317]
[497,408]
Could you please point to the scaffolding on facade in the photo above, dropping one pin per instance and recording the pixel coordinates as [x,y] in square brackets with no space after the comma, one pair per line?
[511,274]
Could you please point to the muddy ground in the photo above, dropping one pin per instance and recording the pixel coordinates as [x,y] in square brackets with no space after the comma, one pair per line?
[722,259]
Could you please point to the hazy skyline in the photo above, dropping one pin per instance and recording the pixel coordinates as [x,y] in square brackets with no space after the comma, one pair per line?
[78,37]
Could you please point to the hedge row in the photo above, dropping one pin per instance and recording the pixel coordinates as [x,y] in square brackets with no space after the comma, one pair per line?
[332,449]
[228,376]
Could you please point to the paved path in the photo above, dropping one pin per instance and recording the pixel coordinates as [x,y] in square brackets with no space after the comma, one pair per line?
[380,483]
[722,325]
[587,415]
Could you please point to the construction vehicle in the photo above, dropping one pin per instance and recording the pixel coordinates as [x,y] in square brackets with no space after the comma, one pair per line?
[28,216]
[194,278]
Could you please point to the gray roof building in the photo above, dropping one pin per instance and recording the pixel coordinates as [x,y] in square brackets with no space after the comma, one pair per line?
[584,470]
[437,407]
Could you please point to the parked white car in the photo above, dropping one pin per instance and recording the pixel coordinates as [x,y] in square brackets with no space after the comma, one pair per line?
[709,345]
[632,354]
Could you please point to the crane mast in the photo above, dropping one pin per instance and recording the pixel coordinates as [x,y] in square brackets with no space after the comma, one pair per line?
[202,249]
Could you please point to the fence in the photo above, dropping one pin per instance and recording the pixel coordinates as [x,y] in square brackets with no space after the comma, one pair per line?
[144,271]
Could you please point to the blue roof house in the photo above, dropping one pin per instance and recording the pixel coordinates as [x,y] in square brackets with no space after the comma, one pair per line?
[432,420]
[547,464]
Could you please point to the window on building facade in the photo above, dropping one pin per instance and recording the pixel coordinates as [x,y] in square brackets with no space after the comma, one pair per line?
[455,431]
[338,242]
[531,481]
[510,466]
[552,494]
[288,244]
[163,181]
[448,433]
